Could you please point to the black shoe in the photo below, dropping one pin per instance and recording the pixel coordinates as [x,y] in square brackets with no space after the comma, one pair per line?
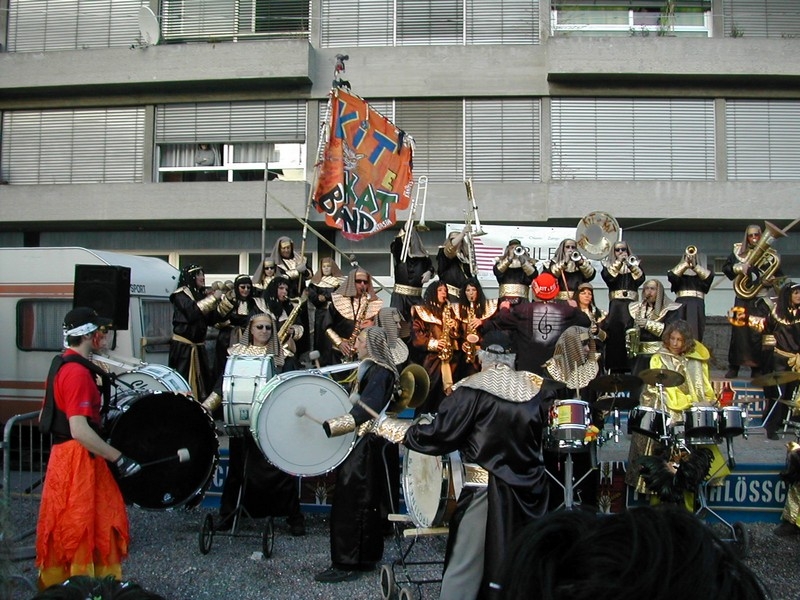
[335,575]
[773,435]
[732,373]
[786,529]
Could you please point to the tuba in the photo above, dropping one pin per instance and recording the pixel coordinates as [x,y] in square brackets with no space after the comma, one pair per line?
[763,259]
[596,235]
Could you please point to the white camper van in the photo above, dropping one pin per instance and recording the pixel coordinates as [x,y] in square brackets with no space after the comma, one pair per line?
[36,292]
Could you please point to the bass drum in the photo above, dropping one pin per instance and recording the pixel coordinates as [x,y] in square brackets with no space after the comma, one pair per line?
[431,485]
[156,425]
[241,383]
[148,378]
[286,423]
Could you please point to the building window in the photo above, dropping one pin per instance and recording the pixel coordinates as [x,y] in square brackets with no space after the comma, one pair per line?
[231,162]
[763,139]
[762,18]
[687,18]
[73,146]
[632,139]
[231,141]
[423,22]
[47,25]
[233,20]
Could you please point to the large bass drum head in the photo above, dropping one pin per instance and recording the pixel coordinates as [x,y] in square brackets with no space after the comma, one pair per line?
[156,426]
[286,423]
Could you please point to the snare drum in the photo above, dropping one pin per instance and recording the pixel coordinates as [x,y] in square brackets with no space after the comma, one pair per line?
[149,378]
[156,425]
[241,383]
[569,423]
[286,423]
[648,421]
[731,421]
[701,424]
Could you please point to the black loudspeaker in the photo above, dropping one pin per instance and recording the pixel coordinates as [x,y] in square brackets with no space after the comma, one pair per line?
[105,288]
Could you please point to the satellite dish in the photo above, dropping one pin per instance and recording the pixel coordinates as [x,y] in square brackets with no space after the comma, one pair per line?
[149,29]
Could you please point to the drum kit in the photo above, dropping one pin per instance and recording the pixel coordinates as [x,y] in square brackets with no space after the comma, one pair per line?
[699,425]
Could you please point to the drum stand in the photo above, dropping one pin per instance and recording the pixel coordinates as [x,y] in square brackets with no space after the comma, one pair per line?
[569,484]
[207,530]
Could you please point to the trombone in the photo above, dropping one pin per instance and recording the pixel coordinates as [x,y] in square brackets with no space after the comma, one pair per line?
[472,216]
[422,188]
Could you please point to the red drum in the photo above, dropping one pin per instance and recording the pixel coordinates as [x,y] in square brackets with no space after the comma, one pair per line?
[648,421]
[701,424]
[731,421]
[154,426]
[569,423]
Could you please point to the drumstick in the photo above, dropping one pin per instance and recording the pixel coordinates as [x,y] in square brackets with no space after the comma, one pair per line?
[300,411]
[356,400]
[182,455]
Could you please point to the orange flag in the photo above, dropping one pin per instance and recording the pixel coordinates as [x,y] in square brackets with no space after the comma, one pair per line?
[365,175]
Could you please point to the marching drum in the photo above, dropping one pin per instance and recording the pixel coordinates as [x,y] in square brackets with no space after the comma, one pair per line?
[286,423]
[569,423]
[154,426]
[241,384]
[701,424]
[152,378]
[648,421]
[431,485]
[731,421]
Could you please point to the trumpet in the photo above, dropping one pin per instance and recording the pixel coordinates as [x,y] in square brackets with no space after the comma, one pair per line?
[576,257]
[521,251]
[690,251]
[422,187]
[632,261]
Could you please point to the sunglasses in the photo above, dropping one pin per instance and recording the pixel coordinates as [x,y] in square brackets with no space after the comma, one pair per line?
[362,280]
[267,327]
[269,268]
[245,286]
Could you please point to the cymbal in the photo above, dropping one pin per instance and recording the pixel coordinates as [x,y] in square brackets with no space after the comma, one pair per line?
[775,378]
[665,377]
[789,403]
[612,402]
[616,382]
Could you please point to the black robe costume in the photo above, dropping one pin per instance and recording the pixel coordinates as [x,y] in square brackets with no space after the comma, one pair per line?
[619,318]
[535,328]
[190,322]
[361,486]
[505,438]
[453,271]
[408,273]
[687,288]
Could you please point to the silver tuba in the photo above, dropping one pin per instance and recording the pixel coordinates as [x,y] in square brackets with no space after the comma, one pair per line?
[596,235]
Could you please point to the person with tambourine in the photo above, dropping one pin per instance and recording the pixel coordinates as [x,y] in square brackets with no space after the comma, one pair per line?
[83,526]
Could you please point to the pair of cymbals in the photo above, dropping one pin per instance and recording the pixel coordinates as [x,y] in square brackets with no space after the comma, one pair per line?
[775,378]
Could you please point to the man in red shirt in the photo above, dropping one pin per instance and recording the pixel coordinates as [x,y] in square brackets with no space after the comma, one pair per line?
[83,526]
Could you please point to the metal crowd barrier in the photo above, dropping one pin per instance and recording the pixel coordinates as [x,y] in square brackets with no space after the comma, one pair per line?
[27,451]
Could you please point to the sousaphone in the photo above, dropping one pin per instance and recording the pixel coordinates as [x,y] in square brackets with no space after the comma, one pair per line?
[596,235]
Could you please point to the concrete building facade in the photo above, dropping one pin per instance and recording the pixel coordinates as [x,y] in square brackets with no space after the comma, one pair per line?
[681,118]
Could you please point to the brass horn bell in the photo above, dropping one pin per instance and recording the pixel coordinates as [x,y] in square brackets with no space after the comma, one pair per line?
[414,387]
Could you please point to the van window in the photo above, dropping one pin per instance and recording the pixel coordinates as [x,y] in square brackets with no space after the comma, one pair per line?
[40,324]
[157,324]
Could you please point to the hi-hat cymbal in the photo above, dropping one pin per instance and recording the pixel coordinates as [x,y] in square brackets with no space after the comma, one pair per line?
[775,378]
[616,382]
[665,377]
[790,403]
[612,402]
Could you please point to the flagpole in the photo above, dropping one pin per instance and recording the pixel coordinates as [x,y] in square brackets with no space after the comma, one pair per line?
[264,216]
[325,127]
